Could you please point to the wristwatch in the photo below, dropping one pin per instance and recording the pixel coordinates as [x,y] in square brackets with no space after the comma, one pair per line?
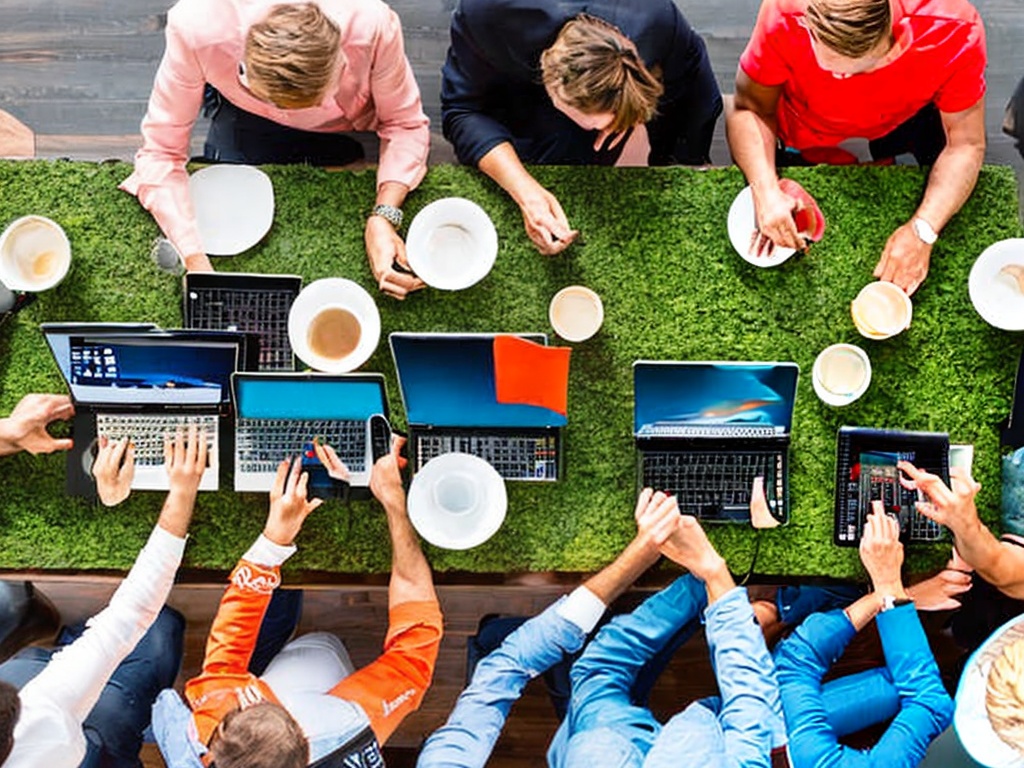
[924,231]
[389,212]
[889,602]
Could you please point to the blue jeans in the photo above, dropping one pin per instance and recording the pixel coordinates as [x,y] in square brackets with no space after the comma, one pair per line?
[114,729]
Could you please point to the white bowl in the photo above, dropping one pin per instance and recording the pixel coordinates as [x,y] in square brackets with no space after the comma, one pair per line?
[995,297]
[331,293]
[881,310]
[457,501]
[742,224]
[830,397]
[234,206]
[35,254]
[452,244]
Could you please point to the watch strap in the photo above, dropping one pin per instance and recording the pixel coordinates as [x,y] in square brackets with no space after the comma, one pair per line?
[391,213]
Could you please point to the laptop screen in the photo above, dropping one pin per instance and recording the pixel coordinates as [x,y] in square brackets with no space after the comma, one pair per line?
[58,337]
[150,370]
[447,380]
[309,397]
[692,394]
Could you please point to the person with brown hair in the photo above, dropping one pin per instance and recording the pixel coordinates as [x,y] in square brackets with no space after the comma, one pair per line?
[574,83]
[846,81]
[282,82]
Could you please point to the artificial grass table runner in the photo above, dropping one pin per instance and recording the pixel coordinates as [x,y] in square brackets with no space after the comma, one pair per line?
[653,244]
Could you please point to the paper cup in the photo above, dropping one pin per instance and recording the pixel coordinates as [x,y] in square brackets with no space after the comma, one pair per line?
[35,254]
[841,374]
[576,313]
[881,310]
[334,325]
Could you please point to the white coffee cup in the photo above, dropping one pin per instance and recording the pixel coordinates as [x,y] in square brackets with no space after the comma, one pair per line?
[343,307]
[576,313]
[841,374]
[881,310]
[35,254]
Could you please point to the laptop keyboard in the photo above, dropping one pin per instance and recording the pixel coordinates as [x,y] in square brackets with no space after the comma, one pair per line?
[147,432]
[715,486]
[262,312]
[261,444]
[515,457]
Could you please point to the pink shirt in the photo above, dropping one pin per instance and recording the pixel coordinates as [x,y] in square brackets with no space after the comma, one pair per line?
[205,44]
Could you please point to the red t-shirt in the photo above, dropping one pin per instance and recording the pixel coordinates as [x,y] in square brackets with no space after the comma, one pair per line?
[939,57]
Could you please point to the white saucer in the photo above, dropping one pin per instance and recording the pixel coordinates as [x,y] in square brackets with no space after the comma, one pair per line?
[452,244]
[334,292]
[234,207]
[741,224]
[457,501]
[995,296]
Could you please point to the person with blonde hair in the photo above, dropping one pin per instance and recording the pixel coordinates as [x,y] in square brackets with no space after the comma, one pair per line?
[573,83]
[282,82]
[846,81]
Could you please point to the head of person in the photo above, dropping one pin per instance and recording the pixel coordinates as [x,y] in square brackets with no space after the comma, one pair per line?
[261,736]
[292,56]
[594,74]
[10,709]
[849,36]
[1004,696]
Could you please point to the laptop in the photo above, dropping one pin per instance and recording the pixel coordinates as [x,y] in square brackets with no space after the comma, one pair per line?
[866,471]
[277,415]
[449,392]
[250,303]
[705,430]
[143,384]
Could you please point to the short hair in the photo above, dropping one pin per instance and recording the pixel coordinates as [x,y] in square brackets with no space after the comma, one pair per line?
[10,710]
[260,736]
[851,28]
[595,68]
[1004,695]
[290,55]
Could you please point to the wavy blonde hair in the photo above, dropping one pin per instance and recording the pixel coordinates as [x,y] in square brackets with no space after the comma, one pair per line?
[1004,695]
[851,28]
[290,55]
[595,68]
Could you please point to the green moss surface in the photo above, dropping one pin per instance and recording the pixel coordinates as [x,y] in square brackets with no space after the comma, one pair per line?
[653,244]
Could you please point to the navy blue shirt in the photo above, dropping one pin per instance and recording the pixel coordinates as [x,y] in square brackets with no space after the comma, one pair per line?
[491,89]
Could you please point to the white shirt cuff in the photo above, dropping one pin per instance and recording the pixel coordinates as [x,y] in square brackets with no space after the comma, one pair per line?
[265,552]
[583,608]
[164,542]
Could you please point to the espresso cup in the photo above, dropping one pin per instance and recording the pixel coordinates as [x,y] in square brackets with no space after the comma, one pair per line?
[841,374]
[576,313]
[35,254]
[881,310]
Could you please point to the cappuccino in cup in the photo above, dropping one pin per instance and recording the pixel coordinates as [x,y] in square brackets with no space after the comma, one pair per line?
[333,333]
[841,374]
[34,254]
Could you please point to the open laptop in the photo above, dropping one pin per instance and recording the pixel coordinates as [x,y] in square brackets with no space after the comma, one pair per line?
[866,471]
[251,303]
[705,430]
[277,415]
[449,393]
[143,385]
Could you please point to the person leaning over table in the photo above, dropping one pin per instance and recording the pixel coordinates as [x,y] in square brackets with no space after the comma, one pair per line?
[88,701]
[281,81]
[820,77]
[584,82]
[308,703]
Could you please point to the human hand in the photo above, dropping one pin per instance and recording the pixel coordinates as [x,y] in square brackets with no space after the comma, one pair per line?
[939,593]
[185,459]
[25,428]
[773,219]
[881,551]
[905,259]
[198,262]
[385,248]
[954,509]
[545,221]
[656,518]
[760,515]
[386,476]
[114,470]
[332,462]
[289,506]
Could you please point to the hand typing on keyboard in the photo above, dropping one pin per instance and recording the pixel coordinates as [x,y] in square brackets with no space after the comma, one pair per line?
[114,470]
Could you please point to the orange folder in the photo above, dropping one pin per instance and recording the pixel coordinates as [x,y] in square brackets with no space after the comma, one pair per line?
[527,373]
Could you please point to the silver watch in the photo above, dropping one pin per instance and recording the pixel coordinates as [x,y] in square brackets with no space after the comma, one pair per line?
[924,231]
[389,212]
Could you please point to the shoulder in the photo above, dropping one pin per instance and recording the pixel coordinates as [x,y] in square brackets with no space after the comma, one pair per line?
[203,22]
[499,13]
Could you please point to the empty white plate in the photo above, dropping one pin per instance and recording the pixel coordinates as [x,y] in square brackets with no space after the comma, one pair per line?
[742,225]
[452,244]
[234,207]
[997,297]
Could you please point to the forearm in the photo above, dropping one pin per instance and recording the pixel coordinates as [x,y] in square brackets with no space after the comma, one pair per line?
[998,563]
[752,139]
[392,193]
[502,164]
[617,577]
[411,577]
[177,512]
[861,612]
[950,183]
[8,446]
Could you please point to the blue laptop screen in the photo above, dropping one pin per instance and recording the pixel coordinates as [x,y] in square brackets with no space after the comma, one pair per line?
[448,381]
[678,393]
[303,397]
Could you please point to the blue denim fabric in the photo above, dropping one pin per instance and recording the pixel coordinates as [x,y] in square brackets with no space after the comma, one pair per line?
[475,723]
[803,659]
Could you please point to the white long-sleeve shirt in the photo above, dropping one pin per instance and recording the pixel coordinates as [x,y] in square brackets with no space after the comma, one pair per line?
[56,702]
